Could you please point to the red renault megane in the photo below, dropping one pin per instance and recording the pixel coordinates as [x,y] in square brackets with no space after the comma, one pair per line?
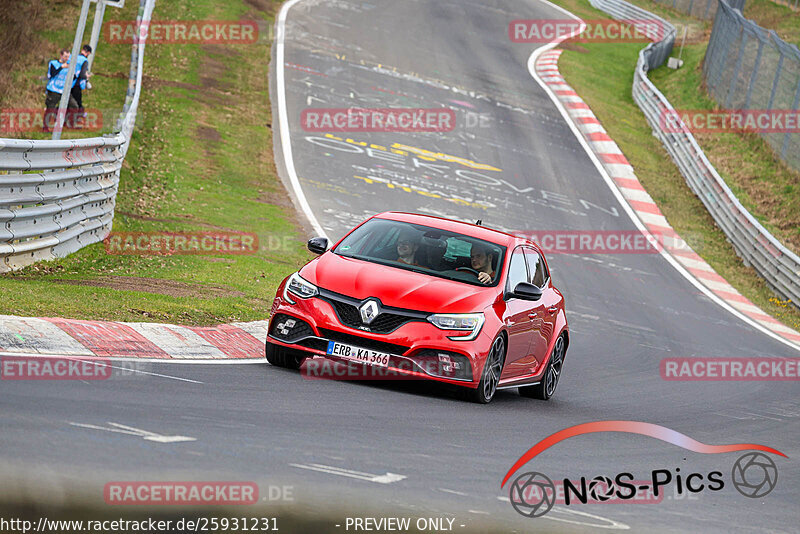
[427,297]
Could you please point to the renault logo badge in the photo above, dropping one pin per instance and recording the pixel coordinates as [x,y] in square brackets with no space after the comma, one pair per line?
[368,311]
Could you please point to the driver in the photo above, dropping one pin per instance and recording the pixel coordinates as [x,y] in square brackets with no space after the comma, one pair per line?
[481,260]
[407,246]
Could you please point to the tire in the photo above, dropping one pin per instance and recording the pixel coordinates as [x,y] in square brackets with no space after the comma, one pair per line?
[281,357]
[487,387]
[547,387]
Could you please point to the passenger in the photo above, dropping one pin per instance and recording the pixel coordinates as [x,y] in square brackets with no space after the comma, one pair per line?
[481,261]
[407,246]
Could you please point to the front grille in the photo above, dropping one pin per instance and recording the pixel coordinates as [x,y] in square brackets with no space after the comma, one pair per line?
[358,341]
[348,314]
[288,329]
[387,321]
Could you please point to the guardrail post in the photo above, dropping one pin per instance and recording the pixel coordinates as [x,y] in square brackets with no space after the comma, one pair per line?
[73,59]
[97,24]
[99,13]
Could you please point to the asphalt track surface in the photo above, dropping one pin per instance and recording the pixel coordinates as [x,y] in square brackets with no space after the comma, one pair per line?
[626,313]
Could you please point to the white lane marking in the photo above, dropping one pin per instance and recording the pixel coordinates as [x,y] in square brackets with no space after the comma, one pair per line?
[454,492]
[283,118]
[98,360]
[388,478]
[611,523]
[144,434]
[615,190]
[757,415]
[607,523]
[145,360]
[478,512]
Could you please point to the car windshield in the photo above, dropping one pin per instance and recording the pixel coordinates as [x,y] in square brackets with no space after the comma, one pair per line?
[424,249]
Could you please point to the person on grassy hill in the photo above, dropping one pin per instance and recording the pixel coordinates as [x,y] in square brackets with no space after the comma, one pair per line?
[56,80]
[82,75]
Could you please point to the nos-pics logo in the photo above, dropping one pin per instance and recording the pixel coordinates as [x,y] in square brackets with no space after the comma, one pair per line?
[533,494]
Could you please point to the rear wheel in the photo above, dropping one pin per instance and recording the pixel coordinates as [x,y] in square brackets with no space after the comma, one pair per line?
[491,373]
[547,387]
[281,357]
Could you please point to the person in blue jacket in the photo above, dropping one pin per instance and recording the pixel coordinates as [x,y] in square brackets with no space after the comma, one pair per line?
[56,78]
[81,76]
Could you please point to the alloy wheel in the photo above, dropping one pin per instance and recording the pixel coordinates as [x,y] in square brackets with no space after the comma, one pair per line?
[494,366]
[554,369]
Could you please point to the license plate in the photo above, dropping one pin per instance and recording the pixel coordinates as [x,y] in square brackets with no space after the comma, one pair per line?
[349,352]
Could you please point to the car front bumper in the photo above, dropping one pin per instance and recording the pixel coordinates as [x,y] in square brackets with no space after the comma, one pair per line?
[417,349]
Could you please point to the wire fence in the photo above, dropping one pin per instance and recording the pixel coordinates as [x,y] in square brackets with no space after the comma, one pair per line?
[701,9]
[59,196]
[779,266]
[791,4]
[747,67]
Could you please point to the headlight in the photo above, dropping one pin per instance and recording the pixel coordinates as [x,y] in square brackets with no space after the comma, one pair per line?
[296,285]
[469,322]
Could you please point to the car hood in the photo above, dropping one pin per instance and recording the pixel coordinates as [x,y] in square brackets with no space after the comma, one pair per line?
[395,286]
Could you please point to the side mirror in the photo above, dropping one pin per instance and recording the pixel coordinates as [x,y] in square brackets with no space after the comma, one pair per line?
[318,245]
[527,291]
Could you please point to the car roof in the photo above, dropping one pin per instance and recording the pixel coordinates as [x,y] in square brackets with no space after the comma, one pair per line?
[468,229]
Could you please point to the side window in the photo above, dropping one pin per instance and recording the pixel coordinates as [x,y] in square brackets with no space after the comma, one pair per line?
[536,267]
[517,271]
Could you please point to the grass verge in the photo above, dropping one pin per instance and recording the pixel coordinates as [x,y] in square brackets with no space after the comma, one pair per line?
[602,73]
[200,160]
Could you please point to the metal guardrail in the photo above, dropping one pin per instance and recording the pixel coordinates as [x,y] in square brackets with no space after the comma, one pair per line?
[779,266]
[59,196]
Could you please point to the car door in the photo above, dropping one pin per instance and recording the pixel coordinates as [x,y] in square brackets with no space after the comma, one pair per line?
[545,308]
[517,319]
[535,311]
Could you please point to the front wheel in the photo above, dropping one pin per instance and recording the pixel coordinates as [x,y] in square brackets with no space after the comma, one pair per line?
[281,357]
[491,373]
[547,387]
